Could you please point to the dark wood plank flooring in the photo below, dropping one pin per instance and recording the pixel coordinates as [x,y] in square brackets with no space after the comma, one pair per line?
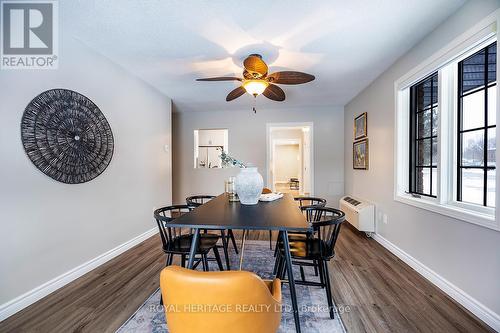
[382,293]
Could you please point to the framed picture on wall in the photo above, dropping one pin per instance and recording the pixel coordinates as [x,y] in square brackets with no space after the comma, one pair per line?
[361,126]
[360,155]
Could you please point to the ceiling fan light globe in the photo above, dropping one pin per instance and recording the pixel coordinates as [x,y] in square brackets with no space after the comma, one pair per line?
[255,87]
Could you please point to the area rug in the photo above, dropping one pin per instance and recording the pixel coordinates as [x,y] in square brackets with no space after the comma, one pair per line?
[258,258]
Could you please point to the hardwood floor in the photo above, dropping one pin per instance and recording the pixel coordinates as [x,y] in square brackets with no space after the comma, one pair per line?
[382,293]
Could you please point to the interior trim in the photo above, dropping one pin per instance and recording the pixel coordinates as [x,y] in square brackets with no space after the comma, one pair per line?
[477,308]
[17,304]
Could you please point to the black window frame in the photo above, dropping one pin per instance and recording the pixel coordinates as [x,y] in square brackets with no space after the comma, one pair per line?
[414,139]
[460,95]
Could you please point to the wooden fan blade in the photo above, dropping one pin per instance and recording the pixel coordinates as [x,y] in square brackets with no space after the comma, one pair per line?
[220,78]
[290,77]
[255,65]
[274,92]
[235,93]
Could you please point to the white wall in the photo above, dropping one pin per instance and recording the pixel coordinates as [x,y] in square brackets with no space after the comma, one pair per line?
[467,255]
[275,136]
[247,142]
[287,162]
[49,228]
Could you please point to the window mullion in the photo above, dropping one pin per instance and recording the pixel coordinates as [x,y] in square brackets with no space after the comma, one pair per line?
[485,143]
[446,83]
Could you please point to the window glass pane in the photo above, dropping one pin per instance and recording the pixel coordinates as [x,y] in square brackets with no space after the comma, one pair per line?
[434,151]
[434,90]
[424,94]
[490,201]
[492,143]
[473,148]
[424,127]
[435,119]
[424,152]
[473,110]
[423,180]
[473,71]
[434,181]
[424,124]
[492,62]
[492,105]
[472,186]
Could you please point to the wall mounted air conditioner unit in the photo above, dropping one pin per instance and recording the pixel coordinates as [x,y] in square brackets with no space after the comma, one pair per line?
[359,213]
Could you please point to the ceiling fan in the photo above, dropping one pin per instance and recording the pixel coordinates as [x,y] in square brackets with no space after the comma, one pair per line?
[256,80]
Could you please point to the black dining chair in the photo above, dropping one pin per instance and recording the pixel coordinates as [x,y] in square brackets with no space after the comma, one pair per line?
[316,249]
[177,241]
[306,202]
[198,200]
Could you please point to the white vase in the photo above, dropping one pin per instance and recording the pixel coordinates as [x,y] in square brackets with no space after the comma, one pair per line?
[249,184]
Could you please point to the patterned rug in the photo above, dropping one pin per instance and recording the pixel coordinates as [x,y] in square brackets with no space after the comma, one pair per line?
[313,306]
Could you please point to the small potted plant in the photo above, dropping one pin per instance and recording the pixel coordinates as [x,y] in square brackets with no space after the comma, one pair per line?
[248,183]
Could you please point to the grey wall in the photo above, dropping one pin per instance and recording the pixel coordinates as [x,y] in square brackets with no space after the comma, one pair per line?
[47,227]
[463,253]
[247,142]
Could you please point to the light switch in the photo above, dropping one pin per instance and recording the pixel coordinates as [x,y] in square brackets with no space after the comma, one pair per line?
[166,147]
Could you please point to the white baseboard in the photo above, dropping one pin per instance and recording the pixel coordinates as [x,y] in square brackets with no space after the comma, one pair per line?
[30,297]
[480,310]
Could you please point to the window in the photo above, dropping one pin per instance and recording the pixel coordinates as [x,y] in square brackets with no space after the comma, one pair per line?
[445,129]
[477,127]
[208,145]
[423,136]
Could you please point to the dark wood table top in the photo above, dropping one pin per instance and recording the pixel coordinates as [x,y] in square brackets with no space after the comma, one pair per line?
[219,213]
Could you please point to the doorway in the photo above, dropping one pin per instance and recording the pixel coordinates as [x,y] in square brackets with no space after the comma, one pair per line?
[290,158]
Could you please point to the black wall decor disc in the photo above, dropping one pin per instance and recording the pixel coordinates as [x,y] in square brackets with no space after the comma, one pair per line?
[66,136]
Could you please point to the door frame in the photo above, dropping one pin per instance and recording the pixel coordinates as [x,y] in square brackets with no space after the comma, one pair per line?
[269,127]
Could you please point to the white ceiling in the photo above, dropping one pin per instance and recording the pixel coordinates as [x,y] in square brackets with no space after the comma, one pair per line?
[345,44]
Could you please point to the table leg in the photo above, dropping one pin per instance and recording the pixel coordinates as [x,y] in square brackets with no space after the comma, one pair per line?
[291,281]
[225,246]
[242,247]
[194,246]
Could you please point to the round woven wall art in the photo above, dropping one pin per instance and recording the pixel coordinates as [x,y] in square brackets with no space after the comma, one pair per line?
[66,136]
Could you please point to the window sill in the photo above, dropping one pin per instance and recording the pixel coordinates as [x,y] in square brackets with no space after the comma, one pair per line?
[460,213]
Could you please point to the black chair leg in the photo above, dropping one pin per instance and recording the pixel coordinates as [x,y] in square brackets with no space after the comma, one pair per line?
[270,240]
[205,262]
[302,274]
[224,247]
[217,258]
[203,267]
[276,265]
[321,273]
[231,235]
[276,245]
[282,269]
[183,260]
[315,267]
[328,289]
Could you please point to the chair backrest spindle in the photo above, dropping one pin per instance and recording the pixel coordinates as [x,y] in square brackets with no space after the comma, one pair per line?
[165,215]
[326,224]
[310,201]
[198,200]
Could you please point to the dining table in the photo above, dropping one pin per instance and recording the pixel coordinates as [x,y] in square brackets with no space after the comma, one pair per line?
[283,215]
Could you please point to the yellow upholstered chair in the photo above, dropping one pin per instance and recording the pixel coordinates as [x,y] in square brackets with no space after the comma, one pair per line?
[214,302]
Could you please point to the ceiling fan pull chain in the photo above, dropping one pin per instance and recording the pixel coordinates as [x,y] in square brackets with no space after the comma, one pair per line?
[254,104]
